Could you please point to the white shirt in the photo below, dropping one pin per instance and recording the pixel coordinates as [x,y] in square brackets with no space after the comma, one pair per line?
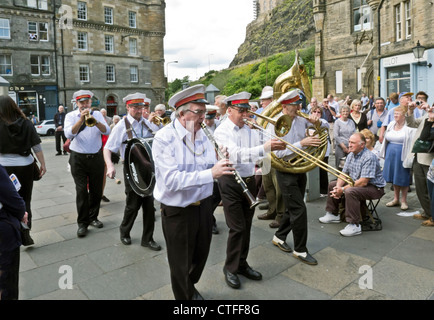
[294,136]
[119,133]
[182,169]
[243,144]
[89,139]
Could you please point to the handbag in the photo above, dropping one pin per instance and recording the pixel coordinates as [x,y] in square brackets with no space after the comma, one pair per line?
[26,239]
[422,146]
[36,170]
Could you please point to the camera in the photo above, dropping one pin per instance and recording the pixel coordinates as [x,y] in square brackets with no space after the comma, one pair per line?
[418,103]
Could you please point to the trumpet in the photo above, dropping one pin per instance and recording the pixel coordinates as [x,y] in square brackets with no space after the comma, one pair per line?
[158,120]
[306,155]
[250,198]
[89,120]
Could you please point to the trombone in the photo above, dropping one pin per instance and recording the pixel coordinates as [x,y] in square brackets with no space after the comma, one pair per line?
[303,154]
[158,120]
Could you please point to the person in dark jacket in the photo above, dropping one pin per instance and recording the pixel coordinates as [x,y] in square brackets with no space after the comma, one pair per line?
[18,140]
[12,211]
[59,122]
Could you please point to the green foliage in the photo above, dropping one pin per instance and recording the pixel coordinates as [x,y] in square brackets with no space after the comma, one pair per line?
[251,77]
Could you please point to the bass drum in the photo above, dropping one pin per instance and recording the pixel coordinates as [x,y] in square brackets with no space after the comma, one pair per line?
[139,166]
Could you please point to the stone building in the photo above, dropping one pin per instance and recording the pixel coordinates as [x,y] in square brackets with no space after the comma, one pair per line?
[111,47]
[27,55]
[262,7]
[366,46]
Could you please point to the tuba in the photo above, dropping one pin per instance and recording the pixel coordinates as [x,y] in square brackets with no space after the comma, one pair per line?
[295,78]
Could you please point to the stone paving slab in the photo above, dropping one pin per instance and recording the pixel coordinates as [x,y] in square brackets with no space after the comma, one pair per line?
[400,256]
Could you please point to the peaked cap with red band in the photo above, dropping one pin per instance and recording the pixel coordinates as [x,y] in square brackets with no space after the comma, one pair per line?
[195,94]
[290,97]
[82,95]
[238,100]
[136,99]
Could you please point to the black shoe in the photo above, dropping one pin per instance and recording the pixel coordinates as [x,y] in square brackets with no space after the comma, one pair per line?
[82,232]
[231,279]
[152,245]
[215,230]
[249,273]
[105,199]
[282,246]
[59,154]
[308,259]
[65,153]
[97,224]
[197,295]
[125,240]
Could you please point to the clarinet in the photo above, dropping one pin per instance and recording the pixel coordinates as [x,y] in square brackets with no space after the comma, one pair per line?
[250,198]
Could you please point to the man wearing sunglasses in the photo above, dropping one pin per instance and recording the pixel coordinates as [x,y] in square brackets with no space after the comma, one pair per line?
[245,149]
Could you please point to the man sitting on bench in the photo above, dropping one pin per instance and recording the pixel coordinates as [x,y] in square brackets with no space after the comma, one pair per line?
[364,168]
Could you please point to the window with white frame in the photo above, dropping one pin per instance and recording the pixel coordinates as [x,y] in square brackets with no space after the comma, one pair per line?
[5,29]
[339,81]
[108,15]
[37,31]
[132,19]
[45,65]
[39,65]
[81,10]
[84,73]
[39,4]
[109,43]
[6,65]
[362,15]
[134,74]
[82,40]
[407,19]
[110,73]
[34,65]
[398,22]
[133,46]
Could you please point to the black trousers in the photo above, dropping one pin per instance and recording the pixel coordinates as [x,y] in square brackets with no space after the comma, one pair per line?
[87,170]
[239,218]
[133,204]
[188,233]
[9,274]
[58,135]
[293,187]
[25,177]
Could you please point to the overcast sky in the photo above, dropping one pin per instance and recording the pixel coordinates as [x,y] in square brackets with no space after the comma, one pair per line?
[203,35]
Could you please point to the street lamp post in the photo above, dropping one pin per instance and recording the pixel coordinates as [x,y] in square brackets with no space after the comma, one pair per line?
[167,69]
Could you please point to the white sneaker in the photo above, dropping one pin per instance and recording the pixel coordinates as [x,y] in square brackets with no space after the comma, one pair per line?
[351,230]
[329,218]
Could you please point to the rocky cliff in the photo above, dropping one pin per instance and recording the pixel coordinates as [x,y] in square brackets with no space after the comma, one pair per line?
[287,27]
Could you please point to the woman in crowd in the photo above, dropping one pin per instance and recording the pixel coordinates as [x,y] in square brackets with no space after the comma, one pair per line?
[359,118]
[397,142]
[12,210]
[343,129]
[370,141]
[17,138]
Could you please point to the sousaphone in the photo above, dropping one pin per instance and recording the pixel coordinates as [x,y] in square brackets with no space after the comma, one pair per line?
[295,78]
[139,166]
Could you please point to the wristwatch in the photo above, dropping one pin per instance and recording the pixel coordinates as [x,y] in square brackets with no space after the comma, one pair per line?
[343,190]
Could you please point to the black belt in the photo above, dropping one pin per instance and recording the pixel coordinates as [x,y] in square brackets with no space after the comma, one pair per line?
[87,155]
[247,179]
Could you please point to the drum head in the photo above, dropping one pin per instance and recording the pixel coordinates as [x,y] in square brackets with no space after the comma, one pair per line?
[139,167]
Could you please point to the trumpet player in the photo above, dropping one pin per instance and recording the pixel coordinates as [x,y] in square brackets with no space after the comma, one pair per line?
[245,149]
[86,159]
[293,185]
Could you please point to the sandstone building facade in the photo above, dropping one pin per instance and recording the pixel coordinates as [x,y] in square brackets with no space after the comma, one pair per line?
[111,47]
[365,46]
